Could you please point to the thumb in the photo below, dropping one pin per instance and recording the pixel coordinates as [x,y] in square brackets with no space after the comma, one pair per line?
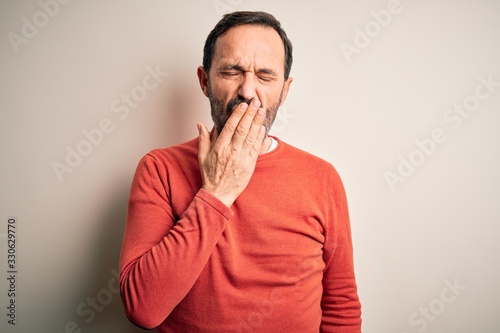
[204,142]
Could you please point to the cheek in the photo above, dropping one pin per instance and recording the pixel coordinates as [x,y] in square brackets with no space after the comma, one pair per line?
[224,90]
[270,96]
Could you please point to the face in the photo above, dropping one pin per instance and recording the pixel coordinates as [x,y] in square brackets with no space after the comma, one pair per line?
[248,63]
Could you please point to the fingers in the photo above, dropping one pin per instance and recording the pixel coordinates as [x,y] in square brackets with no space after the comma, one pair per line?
[204,142]
[249,127]
[244,133]
[260,142]
[255,135]
[232,124]
[227,159]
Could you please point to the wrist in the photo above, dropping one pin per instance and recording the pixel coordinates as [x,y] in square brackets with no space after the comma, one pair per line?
[225,198]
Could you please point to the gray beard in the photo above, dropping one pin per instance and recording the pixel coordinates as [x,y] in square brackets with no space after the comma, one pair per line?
[221,113]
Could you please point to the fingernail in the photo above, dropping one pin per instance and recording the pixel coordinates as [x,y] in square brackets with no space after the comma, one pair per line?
[256,103]
[244,106]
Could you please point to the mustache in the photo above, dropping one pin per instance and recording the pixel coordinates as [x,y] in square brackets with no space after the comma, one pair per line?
[237,101]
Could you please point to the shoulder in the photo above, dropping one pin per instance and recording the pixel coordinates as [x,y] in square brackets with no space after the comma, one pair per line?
[184,149]
[177,154]
[307,160]
[165,160]
[314,166]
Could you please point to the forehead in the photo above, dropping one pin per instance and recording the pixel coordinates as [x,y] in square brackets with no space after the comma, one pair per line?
[251,46]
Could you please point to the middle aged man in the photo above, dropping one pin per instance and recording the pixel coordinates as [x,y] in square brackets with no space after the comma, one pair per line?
[237,231]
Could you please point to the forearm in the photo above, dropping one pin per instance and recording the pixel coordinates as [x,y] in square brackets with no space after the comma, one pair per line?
[153,281]
[163,253]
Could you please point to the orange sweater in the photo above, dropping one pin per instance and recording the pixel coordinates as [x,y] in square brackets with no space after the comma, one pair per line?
[279,260]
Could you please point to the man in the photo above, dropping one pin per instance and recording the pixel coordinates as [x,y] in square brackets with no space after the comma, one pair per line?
[236,231]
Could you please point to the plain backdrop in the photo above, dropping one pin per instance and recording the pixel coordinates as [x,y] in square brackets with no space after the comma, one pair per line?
[402,97]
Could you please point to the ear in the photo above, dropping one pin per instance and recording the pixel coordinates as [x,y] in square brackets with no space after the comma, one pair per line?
[286,87]
[203,79]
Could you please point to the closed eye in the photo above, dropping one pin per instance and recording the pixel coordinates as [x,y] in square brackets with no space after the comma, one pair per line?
[230,74]
[266,78]
[266,75]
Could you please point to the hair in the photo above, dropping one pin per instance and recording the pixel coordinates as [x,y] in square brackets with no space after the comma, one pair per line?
[231,20]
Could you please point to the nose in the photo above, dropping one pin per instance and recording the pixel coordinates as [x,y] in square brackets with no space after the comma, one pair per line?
[248,87]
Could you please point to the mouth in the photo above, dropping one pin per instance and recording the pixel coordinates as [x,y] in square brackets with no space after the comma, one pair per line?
[235,102]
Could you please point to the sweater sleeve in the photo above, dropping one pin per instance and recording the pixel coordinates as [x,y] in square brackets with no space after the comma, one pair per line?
[340,303]
[161,258]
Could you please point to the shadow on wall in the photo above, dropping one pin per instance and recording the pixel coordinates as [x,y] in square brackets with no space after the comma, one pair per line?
[103,311]
[187,106]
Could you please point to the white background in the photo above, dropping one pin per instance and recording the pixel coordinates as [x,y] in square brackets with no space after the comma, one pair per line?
[363,111]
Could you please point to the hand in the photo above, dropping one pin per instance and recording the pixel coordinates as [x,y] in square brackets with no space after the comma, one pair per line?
[227,159]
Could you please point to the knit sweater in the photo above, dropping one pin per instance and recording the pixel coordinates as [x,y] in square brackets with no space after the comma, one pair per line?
[278,260]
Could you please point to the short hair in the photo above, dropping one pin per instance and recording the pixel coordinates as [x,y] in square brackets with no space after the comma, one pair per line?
[234,19]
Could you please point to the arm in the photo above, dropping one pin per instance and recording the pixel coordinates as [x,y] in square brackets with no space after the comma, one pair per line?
[161,258]
[340,303]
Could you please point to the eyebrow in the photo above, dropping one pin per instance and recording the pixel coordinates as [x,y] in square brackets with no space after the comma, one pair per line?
[241,69]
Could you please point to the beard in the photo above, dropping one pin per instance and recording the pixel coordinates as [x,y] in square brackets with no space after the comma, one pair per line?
[221,112]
